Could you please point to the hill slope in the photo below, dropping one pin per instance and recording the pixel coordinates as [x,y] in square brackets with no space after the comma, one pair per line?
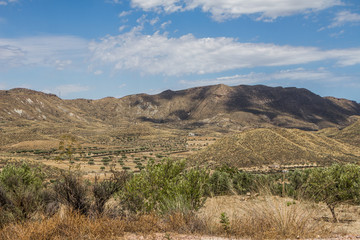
[28,114]
[349,134]
[275,106]
[260,147]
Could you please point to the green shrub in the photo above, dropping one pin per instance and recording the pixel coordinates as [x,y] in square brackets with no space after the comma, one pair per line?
[165,185]
[220,183]
[295,182]
[244,182]
[21,189]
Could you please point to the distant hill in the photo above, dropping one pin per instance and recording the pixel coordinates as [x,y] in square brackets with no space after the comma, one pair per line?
[349,134]
[276,146]
[28,114]
[245,105]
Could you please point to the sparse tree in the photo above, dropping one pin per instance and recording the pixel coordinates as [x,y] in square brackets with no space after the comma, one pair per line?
[334,185]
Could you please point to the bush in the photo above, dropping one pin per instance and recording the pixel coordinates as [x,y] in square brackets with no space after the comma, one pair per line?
[295,182]
[71,191]
[243,182]
[165,186]
[21,190]
[220,183]
[104,190]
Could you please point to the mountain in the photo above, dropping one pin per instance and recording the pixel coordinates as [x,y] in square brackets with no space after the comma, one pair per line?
[217,108]
[276,146]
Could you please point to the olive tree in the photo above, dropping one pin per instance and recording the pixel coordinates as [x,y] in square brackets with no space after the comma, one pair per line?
[334,185]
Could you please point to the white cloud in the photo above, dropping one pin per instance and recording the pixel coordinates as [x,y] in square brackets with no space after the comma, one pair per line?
[337,34]
[10,55]
[225,9]
[159,54]
[345,17]
[298,74]
[98,72]
[251,78]
[121,28]
[6,2]
[61,64]
[55,51]
[124,13]
[114,1]
[65,90]
[154,21]
[165,24]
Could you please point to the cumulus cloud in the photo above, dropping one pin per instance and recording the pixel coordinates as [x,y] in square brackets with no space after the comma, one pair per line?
[298,74]
[225,9]
[159,54]
[345,17]
[56,51]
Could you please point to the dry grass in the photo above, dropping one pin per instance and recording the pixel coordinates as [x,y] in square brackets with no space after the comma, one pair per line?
[274,218]
[249,218]
[263,218]
[267,146]
[68,226]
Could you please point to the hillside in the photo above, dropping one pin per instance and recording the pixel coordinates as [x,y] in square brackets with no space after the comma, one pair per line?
[227,107]
[30,115]
[276,146]
[349,134]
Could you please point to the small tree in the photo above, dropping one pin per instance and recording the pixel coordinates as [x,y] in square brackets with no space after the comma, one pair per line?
[334,185]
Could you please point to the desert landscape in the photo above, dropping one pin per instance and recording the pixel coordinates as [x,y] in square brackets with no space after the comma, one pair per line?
[179,119]
[219,164]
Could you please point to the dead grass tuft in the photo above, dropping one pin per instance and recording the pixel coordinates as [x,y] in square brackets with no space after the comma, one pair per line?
[69,226]
[184,222]
[274,218]
[263,218]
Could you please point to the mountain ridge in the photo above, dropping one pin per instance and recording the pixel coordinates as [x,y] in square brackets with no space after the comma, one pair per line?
[219,107]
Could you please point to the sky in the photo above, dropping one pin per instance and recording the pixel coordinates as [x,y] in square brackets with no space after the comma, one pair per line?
[99,48]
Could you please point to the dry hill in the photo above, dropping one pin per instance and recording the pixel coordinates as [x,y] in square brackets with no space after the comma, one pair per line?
[29,115]
[277,146]
[349,134]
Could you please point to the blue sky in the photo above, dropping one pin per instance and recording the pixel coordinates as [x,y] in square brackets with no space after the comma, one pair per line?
[99,48]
